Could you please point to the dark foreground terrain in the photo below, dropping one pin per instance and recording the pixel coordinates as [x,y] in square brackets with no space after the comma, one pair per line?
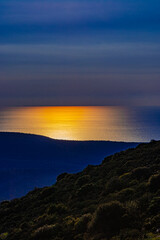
[118,200]
[28,161]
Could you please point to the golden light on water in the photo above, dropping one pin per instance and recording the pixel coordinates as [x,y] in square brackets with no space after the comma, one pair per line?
[70,123]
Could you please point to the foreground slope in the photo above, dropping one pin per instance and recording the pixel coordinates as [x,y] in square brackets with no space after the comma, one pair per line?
[119,199]
[28,160]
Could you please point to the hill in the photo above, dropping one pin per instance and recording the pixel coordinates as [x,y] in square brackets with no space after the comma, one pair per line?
[118,199]
[28,160]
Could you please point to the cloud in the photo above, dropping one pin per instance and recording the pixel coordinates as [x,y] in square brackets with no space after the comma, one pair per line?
[85,20]
[58,11]
[99,51]
[107,13]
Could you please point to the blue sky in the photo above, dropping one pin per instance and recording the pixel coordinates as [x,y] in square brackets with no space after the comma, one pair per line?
[99,52]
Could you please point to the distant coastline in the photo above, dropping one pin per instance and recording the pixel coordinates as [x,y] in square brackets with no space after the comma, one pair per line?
[65,140]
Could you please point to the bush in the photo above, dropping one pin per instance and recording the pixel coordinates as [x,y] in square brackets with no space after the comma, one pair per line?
[130,234]
[61,176]
[114,184]
[132,218]
[143,202]
[126,194]
[24,226]
[82,180]
[86,189]
[82,223]
[125,176]
[108,219]
[154,207]
[42,220]
[46,232]
[154,182]
[155,222]
[59,208]
[46,192]
[141,173]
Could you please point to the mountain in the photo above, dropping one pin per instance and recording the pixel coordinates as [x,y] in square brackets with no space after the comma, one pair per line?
[28,161]
[118,199]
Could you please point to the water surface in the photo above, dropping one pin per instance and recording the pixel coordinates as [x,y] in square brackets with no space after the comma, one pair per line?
[84,123]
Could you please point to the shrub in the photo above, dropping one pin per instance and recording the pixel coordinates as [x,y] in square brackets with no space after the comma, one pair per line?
[82,223]
[155,222]
[132,217]
[61,176]
[108,219]
[4,203]
[46,192]
[82,180]
[154,207]
[142,187]
[24,226]
[46,232]
[141,173]
[144,201]
[40,220]
[114,184]
[154,182]
[59,208]
[86,189]
[125,176]
[130,234]
[126,194]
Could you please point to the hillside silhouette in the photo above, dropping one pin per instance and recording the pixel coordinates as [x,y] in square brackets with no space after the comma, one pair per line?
[118,199]
[29,161]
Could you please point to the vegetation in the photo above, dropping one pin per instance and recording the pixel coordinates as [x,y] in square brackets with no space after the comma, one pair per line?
[118,200]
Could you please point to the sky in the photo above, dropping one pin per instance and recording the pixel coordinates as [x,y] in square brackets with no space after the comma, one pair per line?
[81,52]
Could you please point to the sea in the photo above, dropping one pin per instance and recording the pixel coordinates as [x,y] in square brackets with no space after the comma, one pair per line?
[113,123]
[29,161]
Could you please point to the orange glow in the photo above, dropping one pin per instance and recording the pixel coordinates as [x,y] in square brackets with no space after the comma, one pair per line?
[70,123]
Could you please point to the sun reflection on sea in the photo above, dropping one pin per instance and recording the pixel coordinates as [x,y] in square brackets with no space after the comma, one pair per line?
[71,123]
